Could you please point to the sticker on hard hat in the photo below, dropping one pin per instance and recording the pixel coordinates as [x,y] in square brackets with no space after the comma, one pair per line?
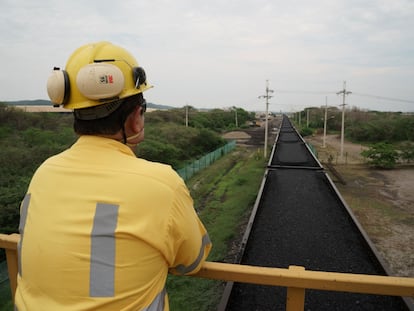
[106,79]
[100,81]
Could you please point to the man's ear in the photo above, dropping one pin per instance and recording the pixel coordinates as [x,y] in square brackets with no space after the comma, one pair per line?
[135,119]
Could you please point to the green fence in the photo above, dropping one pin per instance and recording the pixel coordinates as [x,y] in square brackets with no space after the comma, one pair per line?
[189,170]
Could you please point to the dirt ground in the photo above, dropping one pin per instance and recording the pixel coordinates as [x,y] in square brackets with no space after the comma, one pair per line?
[382,200]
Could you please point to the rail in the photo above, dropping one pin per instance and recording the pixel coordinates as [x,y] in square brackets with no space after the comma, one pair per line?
[9,243]
[296,279]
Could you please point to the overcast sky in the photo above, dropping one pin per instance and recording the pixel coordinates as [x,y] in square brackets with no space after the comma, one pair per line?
[220,53]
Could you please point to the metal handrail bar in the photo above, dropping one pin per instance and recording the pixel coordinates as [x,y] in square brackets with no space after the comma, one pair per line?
[298,277]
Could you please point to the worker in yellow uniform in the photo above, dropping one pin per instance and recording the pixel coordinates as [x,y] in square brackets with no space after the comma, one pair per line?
[100,228]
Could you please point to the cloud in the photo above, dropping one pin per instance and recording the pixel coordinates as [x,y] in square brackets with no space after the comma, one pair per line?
[220,53]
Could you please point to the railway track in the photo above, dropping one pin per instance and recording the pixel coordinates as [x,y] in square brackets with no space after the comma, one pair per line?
[301,219]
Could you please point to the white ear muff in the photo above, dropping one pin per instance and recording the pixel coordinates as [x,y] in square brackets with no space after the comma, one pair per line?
[100,81]
[58,86]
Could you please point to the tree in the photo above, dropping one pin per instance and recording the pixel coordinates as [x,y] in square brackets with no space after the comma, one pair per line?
[381,155]
[160,152]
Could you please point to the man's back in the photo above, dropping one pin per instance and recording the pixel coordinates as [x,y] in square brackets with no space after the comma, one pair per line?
[100,229]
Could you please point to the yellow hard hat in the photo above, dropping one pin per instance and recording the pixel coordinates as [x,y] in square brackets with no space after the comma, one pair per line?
[96,74]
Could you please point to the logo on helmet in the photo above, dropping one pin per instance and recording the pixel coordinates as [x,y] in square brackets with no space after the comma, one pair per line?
[106,79]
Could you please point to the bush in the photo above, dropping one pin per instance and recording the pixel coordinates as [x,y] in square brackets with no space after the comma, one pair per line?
[381,155]
[160,152]
[306,131]
[379,127]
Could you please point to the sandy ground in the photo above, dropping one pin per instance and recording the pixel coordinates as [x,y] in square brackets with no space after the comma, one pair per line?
[382,200]
[351,152]
[237,135]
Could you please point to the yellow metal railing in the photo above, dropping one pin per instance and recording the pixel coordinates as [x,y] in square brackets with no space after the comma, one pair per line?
[296,278]
[9,243]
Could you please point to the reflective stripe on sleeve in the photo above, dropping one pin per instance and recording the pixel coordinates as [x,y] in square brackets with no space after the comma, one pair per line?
[22,223]
[181,269]
[158,303]
[102,269]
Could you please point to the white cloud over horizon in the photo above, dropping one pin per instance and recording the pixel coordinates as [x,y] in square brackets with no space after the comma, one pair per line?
[220,53]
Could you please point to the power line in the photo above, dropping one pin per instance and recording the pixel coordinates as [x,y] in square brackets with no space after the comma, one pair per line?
[353,93]
[306,92]
[386,98]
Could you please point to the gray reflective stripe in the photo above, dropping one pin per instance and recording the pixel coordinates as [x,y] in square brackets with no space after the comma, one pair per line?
[158,303]
[22,223]
[181,269]
[102,270]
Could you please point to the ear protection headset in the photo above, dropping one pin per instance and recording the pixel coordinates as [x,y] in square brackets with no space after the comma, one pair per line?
[95,74]
[99,81]
[58,86]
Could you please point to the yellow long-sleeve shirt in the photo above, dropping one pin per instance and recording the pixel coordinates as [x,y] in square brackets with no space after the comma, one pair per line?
[100,229]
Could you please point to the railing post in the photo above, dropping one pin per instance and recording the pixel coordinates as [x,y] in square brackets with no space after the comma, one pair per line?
[11,257]
[295,297]
[9,243]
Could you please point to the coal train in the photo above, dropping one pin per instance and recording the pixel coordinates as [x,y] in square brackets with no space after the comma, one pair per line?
[301,219]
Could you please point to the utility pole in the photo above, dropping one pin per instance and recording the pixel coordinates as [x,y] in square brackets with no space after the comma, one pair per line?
[325,121]
[236,121]
[186,115]
[344,92]
[267,97]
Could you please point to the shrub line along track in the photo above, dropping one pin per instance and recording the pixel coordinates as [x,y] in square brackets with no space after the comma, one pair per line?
[300,218]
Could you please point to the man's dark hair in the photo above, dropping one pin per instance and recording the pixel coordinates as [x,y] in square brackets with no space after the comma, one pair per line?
[109,124]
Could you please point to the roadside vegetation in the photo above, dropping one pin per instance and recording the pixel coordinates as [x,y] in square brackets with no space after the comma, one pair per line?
[389,136]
